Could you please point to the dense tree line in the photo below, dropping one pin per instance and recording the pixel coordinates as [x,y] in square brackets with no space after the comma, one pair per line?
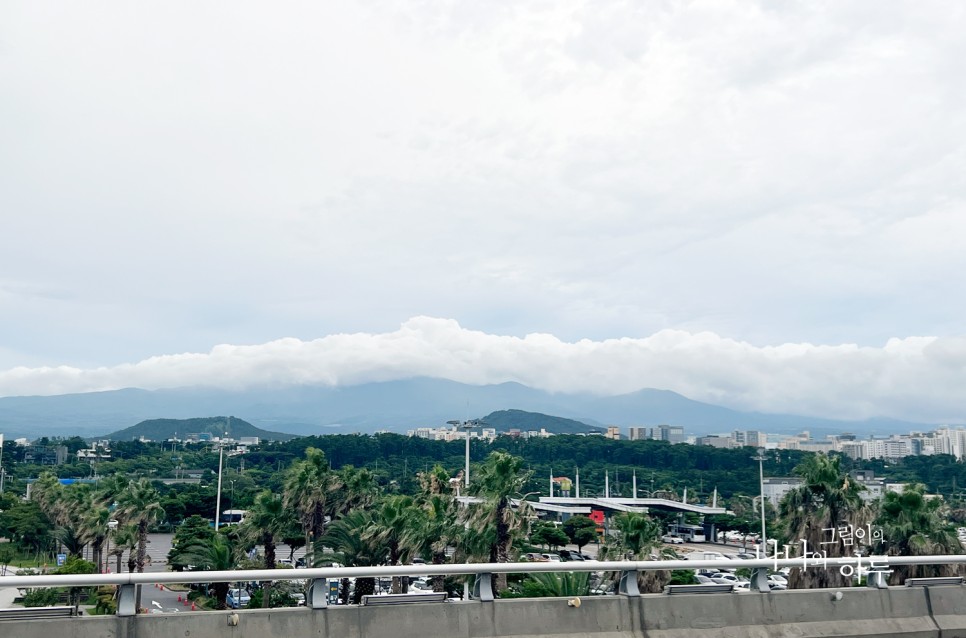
[298,495]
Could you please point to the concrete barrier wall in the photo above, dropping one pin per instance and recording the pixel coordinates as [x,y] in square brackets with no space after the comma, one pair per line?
[913,612]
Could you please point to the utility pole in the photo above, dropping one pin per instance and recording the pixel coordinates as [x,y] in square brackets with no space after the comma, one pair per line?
[761,479]
[1,463]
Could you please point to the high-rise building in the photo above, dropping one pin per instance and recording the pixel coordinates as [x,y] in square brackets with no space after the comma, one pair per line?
[638,433]
[672,433]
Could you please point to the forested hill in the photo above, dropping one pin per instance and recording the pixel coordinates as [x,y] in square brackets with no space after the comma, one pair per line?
[164,429]
[506,420]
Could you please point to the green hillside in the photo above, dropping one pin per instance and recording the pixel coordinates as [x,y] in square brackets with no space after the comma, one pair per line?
[164,429]
[504,420]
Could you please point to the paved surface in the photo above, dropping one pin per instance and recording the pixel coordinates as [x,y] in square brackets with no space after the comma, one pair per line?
[7,594]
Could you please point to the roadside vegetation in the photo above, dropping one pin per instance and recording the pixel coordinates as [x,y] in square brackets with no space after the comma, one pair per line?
[386,499]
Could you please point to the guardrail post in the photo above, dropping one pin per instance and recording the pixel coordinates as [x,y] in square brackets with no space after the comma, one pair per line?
[126,600]
[878,579]
[628,583]
[317,593]
[759,580]
[483,588]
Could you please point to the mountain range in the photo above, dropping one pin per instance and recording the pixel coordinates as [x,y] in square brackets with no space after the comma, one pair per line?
[394,406]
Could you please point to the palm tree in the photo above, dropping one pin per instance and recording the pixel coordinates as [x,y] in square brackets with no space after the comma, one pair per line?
[348,537]
[46,491]
[391,522]
[307,487]
[638,538]
[126,539]
[914,525]
[214,554]
[94,525]
[266,523]
[139,505]
[828,499]
[352,489]
[430,533]
[501,477]
[72,540]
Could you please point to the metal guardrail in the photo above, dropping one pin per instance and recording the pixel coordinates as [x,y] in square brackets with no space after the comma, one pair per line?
[699,589]
[36,613]
[929,582]
[317,589]
[403,599]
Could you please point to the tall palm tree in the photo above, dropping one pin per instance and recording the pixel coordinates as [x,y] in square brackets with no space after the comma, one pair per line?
[500,478]
[348,537]
[46,491]
[436,529]
[126,539]
[827,499]
[351,489]
[214,554]
[307,486]
[140,505]
[638,538]
[432,532]
[391,521]
[71,539]
[94,525]
[267,522]
[914,525]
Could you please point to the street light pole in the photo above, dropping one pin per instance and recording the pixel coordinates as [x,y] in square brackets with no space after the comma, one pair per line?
[761,481]
[221,453]
[467,425]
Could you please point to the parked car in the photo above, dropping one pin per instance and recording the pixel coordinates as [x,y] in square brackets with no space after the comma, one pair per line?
[566,554]
[238,598]
[553,558]
[672,538]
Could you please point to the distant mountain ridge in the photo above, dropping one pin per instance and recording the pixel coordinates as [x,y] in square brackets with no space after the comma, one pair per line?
[216,426]
[395,406]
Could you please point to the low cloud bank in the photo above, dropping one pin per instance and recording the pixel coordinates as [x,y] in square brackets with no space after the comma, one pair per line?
[916,378]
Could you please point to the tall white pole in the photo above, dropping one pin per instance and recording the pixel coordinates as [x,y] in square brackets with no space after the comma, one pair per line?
[577,470]
[761,478]
[606,484]
[635,484]
[221,451]
[551,482]
[466,471]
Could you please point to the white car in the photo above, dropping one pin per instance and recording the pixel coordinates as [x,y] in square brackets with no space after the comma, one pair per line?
[673,539]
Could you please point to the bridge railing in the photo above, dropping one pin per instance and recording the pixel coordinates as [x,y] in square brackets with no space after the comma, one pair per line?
[874,567]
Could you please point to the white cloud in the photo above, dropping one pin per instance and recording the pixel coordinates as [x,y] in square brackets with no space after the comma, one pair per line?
[918,378]
[178,175]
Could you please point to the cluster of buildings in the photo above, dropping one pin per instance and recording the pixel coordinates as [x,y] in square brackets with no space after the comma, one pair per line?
[943,440]
[456,433]
[775,487]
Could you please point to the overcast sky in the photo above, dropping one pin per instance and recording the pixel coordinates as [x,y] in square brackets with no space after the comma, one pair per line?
[760,204]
